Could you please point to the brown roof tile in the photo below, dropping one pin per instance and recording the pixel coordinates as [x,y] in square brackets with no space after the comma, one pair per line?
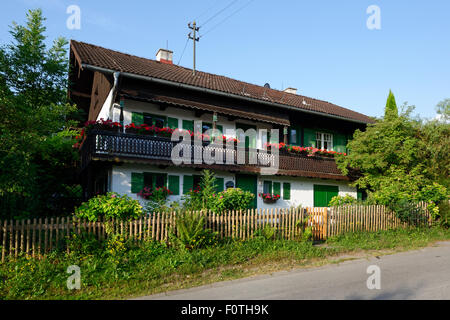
[114,60]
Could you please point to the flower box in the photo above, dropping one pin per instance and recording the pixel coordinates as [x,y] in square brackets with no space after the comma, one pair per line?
[269,198]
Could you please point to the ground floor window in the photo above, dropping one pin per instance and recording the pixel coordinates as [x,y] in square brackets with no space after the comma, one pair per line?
[271,187]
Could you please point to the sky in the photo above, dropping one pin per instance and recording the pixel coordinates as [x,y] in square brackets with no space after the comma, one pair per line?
[323,48]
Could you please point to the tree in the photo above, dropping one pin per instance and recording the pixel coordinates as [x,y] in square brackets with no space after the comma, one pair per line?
[390,110]
[35,150]
[399,158]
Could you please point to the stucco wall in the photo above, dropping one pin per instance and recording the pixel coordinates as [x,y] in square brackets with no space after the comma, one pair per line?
[302,189]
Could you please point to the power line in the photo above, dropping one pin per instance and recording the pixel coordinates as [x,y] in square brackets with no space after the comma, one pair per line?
[207,10]
[219,12]
[185,45]
[235,12]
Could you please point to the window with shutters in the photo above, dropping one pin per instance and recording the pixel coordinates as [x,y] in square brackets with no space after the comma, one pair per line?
[155,180]
[324,141]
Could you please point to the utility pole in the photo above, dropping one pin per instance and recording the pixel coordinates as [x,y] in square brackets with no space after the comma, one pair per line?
[192,36]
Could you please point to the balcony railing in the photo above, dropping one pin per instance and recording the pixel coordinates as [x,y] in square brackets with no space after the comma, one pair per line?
[104,144]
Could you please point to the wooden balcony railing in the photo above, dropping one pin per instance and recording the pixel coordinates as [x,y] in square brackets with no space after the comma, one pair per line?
[104,144]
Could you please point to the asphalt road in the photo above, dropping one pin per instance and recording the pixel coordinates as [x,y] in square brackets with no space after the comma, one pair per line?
[420,274]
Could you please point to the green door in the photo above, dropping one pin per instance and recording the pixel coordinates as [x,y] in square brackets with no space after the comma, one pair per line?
[249,142]
[323,195]
[247,182]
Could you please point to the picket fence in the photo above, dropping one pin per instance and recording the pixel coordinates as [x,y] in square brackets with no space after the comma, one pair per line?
[39,236]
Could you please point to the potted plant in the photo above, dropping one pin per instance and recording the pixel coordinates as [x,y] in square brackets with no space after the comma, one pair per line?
[269,197]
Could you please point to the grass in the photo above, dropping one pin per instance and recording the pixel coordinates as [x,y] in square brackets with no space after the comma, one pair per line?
[124,271]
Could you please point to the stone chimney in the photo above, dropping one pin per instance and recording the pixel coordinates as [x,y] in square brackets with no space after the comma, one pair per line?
[164,56]
[290,90]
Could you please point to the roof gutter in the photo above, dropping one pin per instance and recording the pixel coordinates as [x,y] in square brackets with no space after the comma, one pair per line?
[210,91]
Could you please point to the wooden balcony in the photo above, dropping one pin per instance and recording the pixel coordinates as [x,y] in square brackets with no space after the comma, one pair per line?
[110,146]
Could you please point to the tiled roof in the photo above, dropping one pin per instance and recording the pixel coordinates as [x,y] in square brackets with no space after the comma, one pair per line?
[203,106]
[105,58]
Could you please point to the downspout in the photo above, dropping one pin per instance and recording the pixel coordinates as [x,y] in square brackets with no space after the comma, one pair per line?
[114,89]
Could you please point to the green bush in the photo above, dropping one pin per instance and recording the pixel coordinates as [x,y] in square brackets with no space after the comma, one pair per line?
[192,233]
[111,205]
[444,214]
[202,197]
[268,232]
[408,211]
[232,199]
[337,201]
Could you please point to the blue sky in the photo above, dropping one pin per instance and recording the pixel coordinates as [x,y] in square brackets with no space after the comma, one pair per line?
[321,47]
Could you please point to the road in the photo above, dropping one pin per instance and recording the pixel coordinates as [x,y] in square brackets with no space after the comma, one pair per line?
[420,274]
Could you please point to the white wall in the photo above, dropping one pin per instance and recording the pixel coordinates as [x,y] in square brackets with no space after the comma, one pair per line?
[121,178]
[105,112]
[302,191]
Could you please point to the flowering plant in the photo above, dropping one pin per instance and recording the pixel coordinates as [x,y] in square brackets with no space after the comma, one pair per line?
[101,124]
[155,194]
[145,129]
[269,197]
[309,151]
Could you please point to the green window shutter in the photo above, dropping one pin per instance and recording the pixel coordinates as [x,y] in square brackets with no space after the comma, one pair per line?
[188,125]
[172,123]
[174,185]
[137,182]
[339,142]
[220,128]
[188,183]
[137,118]
[219,184]
[286,191]
[309,138]
[277,188]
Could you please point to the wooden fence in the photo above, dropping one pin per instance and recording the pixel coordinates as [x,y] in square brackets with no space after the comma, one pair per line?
[38,236]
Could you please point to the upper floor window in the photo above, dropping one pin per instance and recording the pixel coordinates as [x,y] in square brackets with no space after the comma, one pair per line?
[324,141]
[154,120]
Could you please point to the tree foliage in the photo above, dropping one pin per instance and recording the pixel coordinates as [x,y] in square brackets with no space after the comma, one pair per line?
[401,157]
[36,155]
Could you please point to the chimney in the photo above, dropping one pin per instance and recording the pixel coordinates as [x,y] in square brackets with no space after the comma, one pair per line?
[164,56]
[290,90]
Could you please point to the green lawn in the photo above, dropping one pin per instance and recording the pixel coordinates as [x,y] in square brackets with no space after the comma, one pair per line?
[122,272]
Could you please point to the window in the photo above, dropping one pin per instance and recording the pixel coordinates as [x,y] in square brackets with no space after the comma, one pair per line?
[196,181]
[293,137]
[154,120]
[206,127]
[267,187]
[154,180]
[324,141]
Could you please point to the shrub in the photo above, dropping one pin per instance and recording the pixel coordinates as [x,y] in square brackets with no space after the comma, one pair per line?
[84,243]
[155,199]
[306,231]
[232,199]
[268,232]
[191,232]
[202,197]
[433,192]
[337,201]
[444,214]
[408,211]
[111,205]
